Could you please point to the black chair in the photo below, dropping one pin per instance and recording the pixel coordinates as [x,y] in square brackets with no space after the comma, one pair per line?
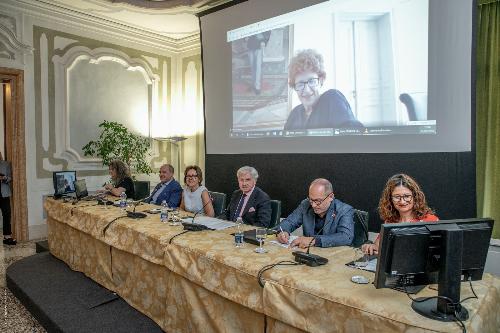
[219,202]
[360,228]
[141,189]
[275,212]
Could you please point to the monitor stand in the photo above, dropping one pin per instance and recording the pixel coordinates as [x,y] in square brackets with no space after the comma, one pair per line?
[446,308]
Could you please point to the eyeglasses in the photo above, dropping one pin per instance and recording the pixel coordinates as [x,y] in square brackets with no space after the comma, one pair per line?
[191,176]
[405,197]
[312,83]
[317,202]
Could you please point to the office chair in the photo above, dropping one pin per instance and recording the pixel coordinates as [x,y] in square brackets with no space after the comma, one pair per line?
[219,202]
[360,228]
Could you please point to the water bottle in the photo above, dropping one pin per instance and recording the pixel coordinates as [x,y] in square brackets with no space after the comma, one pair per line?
[238,235]
[164,212]
[123,200]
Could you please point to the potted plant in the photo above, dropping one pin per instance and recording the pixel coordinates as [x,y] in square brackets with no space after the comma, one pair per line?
[117,142]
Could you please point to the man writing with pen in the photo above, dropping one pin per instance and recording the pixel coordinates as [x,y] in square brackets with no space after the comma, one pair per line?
[325,221]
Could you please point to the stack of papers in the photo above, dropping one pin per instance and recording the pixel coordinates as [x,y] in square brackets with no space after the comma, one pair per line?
[210,222]
[290,240]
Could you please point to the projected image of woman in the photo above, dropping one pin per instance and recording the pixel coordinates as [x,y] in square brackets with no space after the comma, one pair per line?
[402,201]
[306,75]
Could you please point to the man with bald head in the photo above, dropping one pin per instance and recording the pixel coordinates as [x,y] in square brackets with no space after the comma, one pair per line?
[325,221]
[168,189]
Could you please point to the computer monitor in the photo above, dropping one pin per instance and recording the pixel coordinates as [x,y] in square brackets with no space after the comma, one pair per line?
[64,182]
[444,252]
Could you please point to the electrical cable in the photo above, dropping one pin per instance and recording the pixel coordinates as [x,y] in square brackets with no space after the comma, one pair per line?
[181,233]
[109,224]
[456,306]
[267,267]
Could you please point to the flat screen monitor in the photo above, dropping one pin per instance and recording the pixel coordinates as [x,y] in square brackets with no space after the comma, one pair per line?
[64,182]
[444,252]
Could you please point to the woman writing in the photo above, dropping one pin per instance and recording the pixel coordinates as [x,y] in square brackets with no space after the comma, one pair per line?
[402,201]
[121,180]
[195,197]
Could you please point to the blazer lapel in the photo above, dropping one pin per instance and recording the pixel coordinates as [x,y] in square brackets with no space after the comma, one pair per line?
[250,202]
[330,218]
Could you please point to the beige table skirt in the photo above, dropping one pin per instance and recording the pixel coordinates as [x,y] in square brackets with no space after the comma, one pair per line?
[201,283]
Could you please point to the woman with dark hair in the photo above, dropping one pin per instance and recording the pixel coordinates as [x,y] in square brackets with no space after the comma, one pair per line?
[195,197]
[402,200]
[330,109]
[121,180]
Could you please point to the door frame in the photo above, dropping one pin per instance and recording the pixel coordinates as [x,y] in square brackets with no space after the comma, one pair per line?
[16,149]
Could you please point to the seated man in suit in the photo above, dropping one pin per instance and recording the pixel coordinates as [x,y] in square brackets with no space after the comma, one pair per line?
[249,202]
[168,189]
[325,221]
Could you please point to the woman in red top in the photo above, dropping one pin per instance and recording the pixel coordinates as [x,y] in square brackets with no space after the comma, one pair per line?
[402,201]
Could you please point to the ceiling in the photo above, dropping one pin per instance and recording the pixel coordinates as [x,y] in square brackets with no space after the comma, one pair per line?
[168,18]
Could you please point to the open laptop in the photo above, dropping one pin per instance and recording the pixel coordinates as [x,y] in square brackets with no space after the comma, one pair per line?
[80,189]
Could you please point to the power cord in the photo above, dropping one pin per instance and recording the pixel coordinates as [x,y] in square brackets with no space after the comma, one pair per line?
[268,267]
[181,233]
[472,289]
[110,222]
[456,306]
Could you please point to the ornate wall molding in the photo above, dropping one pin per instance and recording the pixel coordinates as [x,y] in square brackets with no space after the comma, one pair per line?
[62,66]
[12,45]
[93,23]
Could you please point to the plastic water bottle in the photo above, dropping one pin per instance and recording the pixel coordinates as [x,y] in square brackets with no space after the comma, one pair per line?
[123,200]
[164,212]
[238,235]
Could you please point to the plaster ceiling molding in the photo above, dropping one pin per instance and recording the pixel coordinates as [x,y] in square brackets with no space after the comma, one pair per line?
[8,21]
[9,40]
[174,18]
[62,65]
[192,5]
[73,16]
[5,53]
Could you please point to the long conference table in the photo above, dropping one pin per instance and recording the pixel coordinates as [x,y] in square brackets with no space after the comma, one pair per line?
[199,282]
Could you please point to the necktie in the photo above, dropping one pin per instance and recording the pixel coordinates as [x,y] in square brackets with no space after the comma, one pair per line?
[239,207]
[157,187]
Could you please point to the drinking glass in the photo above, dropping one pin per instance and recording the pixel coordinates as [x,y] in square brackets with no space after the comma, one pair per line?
[260,234]
[174,218]
[130,203]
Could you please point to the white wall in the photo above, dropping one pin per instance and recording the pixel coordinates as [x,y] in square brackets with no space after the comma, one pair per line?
[61,111]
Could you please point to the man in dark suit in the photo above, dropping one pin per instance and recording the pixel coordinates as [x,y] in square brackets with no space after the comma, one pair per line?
[249,202]
[168,189]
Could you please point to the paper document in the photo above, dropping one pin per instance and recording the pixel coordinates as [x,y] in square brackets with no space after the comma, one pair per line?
[370,266]
[290,240]
[210,222]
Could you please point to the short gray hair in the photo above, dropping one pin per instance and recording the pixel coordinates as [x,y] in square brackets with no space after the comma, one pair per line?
[327,186]
[169,167]
[248,169]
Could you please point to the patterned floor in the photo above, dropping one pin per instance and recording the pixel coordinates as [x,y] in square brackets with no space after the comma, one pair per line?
[13,315]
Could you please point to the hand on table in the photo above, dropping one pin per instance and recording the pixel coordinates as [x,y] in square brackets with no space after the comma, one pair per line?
[369,249]
[303,242]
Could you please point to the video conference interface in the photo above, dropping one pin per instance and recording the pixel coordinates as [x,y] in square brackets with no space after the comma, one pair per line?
[352,67]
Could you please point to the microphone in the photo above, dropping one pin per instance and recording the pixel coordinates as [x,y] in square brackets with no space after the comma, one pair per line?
[197,227]
[136,215]
[310,259]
